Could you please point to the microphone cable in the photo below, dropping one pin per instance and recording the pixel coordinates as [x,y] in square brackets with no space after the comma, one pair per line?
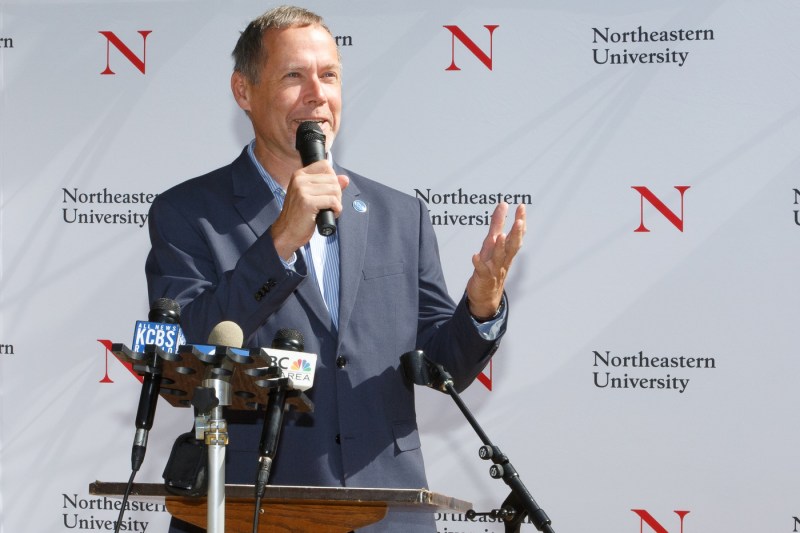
[124,501]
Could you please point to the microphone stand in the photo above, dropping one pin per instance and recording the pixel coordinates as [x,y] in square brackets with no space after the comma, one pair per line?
[211,426]
[520,502]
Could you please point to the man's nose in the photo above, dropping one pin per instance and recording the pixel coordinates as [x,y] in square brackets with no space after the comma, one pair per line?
[314,92]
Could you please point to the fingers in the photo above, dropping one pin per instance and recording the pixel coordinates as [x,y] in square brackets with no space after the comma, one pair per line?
[495,228]
[498,218]
[311,189]
[315,188]
[344,181]
[498,247]
[493,262]
[516,234]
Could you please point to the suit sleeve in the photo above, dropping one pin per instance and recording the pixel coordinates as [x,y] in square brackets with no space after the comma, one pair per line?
[447,334]
[193,263]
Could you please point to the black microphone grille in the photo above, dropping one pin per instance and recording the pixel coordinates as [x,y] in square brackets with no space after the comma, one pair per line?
[166,304]
[309,131]
[289,339]
[165,310]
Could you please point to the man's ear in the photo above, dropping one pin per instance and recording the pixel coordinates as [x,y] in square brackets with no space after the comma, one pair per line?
[241,90]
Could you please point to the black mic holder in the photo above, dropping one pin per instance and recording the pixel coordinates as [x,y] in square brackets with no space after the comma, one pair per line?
[519,504]
[249,372]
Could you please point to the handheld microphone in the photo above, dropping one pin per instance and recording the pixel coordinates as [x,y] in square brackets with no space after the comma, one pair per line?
[310,142]
[289,340]
[163,331]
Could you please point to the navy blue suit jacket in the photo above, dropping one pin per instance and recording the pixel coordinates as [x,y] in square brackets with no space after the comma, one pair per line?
[212,253]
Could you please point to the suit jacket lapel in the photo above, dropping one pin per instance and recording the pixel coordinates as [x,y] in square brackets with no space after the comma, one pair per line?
[252,198]
[353,225]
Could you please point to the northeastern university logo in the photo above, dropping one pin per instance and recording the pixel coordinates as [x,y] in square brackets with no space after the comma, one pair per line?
[139,61]
[646,195]
[653,525]
[466,42]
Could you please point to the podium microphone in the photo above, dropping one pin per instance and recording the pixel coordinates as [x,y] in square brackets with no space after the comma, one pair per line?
[163,331]
[289,340]
[226,333]
[310,142]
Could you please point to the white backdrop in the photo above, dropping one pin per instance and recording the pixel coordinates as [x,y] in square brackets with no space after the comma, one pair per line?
[553,118]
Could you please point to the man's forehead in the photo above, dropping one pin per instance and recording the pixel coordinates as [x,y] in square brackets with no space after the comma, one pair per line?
[302,60]
[286,47]
[311,32]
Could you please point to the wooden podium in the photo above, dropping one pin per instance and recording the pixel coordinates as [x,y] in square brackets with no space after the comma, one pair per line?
[293,509]
[283,508]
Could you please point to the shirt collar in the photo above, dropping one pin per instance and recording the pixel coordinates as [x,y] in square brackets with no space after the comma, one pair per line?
[276,189]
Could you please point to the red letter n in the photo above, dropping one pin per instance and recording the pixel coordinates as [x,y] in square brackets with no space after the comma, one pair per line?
[484,379]
[471,46]
[647,518]
[658,204]
[111,38]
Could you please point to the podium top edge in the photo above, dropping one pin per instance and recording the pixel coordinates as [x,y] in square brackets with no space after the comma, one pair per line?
[413,497]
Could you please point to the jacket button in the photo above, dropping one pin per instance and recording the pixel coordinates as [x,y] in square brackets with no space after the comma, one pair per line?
[338,438]
[341,362]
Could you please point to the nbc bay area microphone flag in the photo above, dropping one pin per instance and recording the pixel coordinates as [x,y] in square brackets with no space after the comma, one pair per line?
[300,367]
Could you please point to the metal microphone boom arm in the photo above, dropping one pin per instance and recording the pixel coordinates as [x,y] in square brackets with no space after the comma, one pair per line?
[520,503]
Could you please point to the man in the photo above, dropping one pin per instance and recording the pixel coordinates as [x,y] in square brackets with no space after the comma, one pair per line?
[240,244]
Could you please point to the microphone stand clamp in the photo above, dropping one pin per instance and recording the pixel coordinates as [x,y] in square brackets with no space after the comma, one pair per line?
[211,426]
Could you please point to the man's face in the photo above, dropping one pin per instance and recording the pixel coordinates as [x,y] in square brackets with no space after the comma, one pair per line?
[301,80]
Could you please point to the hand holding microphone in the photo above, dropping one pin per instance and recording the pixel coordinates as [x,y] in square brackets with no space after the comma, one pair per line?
[313,195]
[310,142]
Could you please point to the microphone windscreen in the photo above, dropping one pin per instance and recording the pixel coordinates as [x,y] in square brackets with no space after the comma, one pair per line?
[310,142]
[165,311]
[288,339]
[226,333]
[308,132]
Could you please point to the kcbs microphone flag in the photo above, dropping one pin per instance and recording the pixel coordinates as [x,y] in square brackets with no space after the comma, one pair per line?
[168,337]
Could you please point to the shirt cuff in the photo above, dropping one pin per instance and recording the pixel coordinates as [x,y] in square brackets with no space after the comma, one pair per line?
[289,265]
[490,330]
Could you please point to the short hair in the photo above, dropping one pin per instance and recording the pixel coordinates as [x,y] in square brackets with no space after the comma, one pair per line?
[249,53]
